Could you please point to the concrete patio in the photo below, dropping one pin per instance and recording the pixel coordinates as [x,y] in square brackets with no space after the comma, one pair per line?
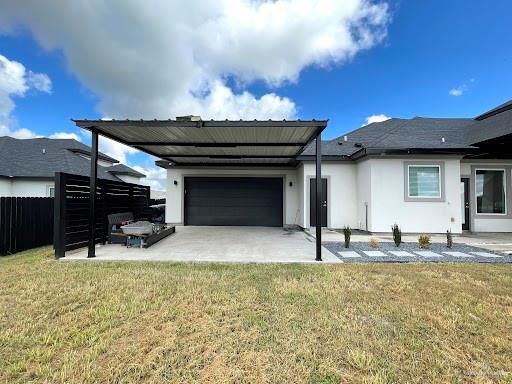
[269,245]
[218,244]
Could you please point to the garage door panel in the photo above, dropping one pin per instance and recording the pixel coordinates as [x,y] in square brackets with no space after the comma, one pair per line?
[234,201]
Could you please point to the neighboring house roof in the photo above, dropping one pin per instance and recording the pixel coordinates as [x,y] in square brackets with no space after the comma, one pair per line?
[420,133]
[87,152]
[121,169]
[42,157]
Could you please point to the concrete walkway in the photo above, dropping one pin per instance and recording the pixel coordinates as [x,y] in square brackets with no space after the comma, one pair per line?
[219,244]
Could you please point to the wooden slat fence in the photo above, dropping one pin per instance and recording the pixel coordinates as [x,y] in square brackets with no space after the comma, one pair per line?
[71,220]
[25,222]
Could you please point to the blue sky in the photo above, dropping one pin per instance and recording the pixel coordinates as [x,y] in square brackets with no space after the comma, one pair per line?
[435,58]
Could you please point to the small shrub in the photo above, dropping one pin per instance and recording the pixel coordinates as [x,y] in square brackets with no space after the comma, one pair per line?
[424,241]
[347,232]
[397,235]
[374,243]
[449,239]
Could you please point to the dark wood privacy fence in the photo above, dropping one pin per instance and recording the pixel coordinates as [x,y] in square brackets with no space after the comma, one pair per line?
[25,222]
[71,220]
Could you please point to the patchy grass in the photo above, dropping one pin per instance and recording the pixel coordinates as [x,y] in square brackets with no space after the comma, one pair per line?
[154,322]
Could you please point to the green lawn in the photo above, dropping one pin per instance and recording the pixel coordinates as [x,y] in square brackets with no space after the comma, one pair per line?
[121,322]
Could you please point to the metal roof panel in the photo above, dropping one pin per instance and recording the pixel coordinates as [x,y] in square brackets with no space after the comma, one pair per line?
[270,140]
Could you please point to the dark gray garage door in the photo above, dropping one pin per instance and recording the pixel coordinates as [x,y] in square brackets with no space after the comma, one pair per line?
[243,201]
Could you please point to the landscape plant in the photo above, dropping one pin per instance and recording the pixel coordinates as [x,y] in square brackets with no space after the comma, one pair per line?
[397,234]
[374,242]
[424,241]
[449,239]
[347,232]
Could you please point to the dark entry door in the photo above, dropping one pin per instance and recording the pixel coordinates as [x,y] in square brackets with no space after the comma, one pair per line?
[312,202]
[234,201]
[464,196]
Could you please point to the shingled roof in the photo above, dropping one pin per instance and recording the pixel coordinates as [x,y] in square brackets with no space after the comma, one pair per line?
[495,123]
[42,157]
[420,133]
[417,133]
[121,169]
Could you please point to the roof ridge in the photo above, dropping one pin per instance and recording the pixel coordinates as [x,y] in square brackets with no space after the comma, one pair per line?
[363,127]
[439,118]
[392,130]
[495,111]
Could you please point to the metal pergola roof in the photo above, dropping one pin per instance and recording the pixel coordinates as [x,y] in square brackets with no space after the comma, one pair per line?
[191,141]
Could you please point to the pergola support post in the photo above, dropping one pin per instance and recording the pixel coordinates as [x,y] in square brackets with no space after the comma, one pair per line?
[92,194]
[319,197]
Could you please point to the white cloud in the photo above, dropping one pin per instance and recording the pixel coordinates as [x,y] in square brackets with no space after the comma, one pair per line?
[222,103]
[116,150]
[39,81]
[21,133]
[160,58]
[110,147]
[155,176]
[15,81]
[65,135]
[142,65]
[459,91]
[375,119]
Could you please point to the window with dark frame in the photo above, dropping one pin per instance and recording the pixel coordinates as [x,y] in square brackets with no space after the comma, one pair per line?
[490,191]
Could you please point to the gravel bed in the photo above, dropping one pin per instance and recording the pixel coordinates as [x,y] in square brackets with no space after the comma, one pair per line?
[410,247]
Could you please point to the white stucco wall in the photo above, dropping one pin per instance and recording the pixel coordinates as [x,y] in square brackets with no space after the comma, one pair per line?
[492,225]
[30,188]
[341,193]
[364,195]
[174,193]
[388,205]
[465,168]
[5,187]
[376,182]
[300,186]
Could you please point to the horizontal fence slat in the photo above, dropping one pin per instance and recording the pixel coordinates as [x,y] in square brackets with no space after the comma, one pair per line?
[111,197]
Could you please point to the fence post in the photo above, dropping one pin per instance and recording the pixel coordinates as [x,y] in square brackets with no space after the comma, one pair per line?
[3,226]
[131,203]
[103,188]
[59,215]
[92,194]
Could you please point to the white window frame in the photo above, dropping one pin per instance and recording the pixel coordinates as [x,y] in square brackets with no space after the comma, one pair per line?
[504,191]
[409,166]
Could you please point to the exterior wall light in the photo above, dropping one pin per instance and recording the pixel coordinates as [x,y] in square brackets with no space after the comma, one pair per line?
[176,182]
[290,184]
